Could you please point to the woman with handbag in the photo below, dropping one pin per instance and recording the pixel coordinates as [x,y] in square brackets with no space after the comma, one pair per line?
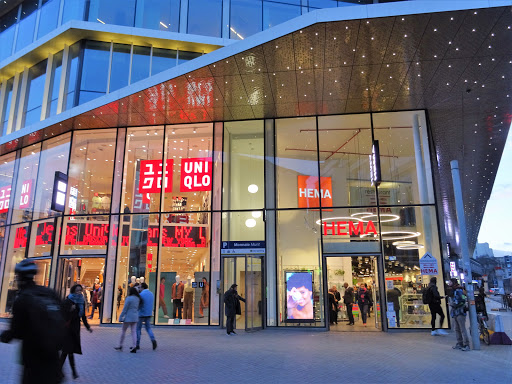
[130,316]
[73,309]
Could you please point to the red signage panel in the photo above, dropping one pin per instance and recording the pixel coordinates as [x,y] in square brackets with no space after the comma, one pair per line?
[196,174]
[5,195]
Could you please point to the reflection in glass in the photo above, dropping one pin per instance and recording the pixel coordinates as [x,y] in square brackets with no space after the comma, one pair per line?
[7,106]
[344,146]
[96,56]
[73,10]
[276,13]
[27,24]
[54,156]
[35,89]
[163,15]
[140,63]
[162,59]
[74,61]
[118,12]
[297,163]
[49,17]
[55,83]
[200,10]
[120,67]
[244,163]
[90,172]
[7,30]
[246,18]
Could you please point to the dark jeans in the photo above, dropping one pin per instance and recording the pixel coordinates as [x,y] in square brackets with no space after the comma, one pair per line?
[94,306]
[177,307]
[363,309]
[333,316]
[435,309]
[146,320]
[350,314]
[230,324]
[71,360]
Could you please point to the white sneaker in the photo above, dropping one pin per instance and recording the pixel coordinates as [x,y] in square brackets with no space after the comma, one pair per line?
[441,332]
[167,317]
[434,333]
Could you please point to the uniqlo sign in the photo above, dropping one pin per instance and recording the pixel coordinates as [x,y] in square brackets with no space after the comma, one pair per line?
[5,195]
[150,180]
[196,174]
[26,188]
[310,192]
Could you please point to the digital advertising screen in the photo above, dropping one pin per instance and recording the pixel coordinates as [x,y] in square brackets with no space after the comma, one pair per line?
[299,297]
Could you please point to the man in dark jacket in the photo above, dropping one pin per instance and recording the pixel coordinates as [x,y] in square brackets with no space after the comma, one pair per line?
[39,346]
[435,307]
[392,295]
[348,300]
[232,308]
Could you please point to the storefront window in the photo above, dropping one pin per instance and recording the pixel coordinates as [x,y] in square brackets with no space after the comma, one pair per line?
[405,241]
[141,59]
[405,162]
[246,18]
[54,157]
[137,253]
[345,145]
[185,56]
[85,235]
[49,17]
[189,155]
[117,12]
[163,15]
[299,254]
[27,24]
[6,178]
[201,10]
[35,89]
[184,269]
[74,62]
[297,164]
[96,57]
[143,169]
[276,13]
[120,67]
[26,184]
[90,172]
[244,165]
[16,251]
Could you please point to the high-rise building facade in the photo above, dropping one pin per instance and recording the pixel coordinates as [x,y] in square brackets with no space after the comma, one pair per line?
[288,146]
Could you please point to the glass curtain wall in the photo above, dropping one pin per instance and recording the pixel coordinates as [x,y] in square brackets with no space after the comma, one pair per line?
[35,89]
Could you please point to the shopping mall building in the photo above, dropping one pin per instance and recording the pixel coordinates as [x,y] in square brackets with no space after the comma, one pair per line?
[201,143]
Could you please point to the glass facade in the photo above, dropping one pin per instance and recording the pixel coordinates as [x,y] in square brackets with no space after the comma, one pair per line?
[189,209]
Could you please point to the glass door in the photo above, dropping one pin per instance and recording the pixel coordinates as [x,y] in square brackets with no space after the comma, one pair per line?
[247,272]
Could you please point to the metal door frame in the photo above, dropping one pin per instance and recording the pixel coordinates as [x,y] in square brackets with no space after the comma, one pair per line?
[376,257]
[244,257]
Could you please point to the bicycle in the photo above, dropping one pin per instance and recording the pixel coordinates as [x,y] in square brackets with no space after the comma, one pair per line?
[482,327]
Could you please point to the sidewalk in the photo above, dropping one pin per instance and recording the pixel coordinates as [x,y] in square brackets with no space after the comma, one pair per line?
[495,302]
[278,356]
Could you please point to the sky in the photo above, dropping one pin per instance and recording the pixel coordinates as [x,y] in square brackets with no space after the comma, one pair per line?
[497,222]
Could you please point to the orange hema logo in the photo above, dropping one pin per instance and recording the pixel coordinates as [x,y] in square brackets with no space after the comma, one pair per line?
[310,192]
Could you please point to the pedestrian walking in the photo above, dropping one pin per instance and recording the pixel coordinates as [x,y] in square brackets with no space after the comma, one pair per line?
[458,313]
[73,309]
[364,301]
[119,296]
[145,313]
[96,296]
[38,322]
[348,300]
[432,297]
[232,308]
[130,316]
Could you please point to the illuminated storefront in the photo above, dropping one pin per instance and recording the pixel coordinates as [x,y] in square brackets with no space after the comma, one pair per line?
[288,163]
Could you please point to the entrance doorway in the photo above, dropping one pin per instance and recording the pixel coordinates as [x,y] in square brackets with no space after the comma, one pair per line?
[87,271]
[358,271]
[247,271]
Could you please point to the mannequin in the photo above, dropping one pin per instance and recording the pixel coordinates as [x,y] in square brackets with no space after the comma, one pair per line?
[188,302]
[141,279]
[132,281]
[205,297]
[177,297]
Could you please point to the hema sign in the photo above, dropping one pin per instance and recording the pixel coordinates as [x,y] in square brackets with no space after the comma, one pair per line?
[309,192]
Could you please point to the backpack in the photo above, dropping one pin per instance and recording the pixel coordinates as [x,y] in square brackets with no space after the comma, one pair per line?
[47,325]
[428,297]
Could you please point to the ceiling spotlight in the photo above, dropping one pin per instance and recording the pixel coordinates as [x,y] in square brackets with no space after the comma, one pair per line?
[253,188]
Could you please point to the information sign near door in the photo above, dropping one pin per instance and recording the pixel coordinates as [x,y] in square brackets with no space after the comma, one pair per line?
[242,247]
[428,265]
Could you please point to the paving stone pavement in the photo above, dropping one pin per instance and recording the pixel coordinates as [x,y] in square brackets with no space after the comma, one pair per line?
[199,355]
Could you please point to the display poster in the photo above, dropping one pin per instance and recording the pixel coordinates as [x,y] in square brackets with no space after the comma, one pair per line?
[5,195]
[428,265]
[26,189]
[299,297]
[196,174]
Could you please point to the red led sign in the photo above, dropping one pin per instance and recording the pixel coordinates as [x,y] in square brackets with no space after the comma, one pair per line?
[86,234]
[44,233]
[178,236]
[346,228]
[196,174]
[20,241]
